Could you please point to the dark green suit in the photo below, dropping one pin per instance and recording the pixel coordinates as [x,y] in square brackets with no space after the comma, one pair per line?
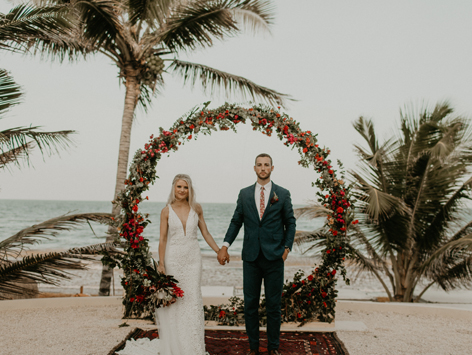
[264,244]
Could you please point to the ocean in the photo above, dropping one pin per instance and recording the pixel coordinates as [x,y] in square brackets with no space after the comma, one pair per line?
[16,215]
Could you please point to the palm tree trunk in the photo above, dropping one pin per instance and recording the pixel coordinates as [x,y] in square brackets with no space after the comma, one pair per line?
[131,96]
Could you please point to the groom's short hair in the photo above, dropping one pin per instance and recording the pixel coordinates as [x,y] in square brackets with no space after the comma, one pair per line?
[264,155]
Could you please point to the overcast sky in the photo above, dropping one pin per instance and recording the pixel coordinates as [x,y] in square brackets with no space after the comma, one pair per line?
[339,59]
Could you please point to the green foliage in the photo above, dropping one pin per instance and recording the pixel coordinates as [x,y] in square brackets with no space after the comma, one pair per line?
[412,191]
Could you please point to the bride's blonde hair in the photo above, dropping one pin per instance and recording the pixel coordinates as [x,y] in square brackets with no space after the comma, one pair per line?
[191,192]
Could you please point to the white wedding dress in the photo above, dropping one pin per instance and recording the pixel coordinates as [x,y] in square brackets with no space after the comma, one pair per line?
[181,325]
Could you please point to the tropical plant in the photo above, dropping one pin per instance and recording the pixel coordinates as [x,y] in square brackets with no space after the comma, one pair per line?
[19,269]
[144,38]
[415,228]
[25,27]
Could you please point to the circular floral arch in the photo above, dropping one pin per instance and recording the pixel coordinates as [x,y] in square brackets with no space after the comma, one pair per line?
[305,298]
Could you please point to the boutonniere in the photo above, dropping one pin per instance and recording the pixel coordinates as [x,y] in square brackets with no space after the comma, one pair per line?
[274,199]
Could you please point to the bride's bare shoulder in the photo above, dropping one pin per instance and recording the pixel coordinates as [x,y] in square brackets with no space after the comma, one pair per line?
[198,209]
[165,212]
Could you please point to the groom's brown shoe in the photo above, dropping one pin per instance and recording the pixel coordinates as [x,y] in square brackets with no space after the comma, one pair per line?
[274,352]
[253,352]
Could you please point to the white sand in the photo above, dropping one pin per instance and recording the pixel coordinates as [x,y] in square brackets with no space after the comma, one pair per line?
[390,333]
[93,330]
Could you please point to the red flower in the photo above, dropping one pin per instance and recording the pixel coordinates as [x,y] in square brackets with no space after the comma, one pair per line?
[324,294]
[305,150]
[335,233]
[189,137]
[324,304]
[333,273]
[330,171]
[328,251]
[192,126]
[340,210]
[308,302]
[131,299]
[178,291]
[222,314]
[299,315]
[355,222]
[310,277]
[343,229]
[135,208]
[136,271]
[294,285]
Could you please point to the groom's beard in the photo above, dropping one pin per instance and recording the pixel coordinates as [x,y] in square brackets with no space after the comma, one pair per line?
[265,177]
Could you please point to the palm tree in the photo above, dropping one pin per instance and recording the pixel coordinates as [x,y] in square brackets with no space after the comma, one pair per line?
[414,226]
[25,27]
[143,38]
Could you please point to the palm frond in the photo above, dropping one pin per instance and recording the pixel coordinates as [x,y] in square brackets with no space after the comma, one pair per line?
[11,247]
[314,210]
[10,92]
[49,268]
[213,79]
[14,155]
[311,241]
[197,24]
[25,24]
[47,142]
[254,15]
[101,22]
[151,11]
[378,203]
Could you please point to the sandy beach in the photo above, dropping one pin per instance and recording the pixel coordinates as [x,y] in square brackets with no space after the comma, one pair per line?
[88,329]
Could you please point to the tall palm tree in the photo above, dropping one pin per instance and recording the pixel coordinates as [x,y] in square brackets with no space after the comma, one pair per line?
[414,225]
[143,38]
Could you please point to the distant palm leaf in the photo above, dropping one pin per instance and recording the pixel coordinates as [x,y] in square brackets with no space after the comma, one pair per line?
[314,210]
[14,245]
[49,268]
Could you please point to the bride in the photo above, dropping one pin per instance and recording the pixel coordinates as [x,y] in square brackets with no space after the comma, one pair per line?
[181,325]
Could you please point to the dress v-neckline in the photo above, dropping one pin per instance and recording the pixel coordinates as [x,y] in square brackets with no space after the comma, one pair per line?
[182,223]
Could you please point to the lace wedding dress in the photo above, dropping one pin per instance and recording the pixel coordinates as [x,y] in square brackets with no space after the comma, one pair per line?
[181,325]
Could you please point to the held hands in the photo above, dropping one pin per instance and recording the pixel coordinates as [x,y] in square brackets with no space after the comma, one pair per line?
[223,256]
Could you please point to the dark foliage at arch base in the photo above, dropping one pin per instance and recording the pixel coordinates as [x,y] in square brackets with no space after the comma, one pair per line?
[308,297]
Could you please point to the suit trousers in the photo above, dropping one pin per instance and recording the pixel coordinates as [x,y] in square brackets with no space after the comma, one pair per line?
[272,272]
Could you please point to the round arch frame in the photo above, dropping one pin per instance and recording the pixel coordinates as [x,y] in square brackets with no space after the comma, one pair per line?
[306,298]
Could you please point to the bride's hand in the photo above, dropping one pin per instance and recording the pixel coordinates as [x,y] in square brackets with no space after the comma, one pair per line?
[161,269]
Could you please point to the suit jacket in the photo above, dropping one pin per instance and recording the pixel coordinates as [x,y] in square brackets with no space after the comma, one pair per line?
[272,233]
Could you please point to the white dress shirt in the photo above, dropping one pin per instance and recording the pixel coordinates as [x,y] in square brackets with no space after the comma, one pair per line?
[257,199]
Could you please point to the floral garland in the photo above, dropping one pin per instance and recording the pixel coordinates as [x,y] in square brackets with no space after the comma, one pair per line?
[305,298]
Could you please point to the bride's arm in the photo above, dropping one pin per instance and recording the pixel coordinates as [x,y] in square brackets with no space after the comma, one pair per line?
[204,229]
[163,239]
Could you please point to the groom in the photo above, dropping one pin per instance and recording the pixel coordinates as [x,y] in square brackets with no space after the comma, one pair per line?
[269,228]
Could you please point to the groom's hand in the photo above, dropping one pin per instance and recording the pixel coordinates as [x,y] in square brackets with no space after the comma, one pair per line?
[223,255]
[284,257]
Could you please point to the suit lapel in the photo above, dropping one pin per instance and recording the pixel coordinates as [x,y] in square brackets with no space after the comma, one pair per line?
[269,205]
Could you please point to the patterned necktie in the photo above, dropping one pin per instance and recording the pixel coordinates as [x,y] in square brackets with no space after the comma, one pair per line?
[262,202]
